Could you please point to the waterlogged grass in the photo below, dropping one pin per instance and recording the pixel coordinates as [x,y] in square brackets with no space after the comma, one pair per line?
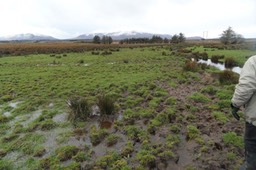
[158,112]
[41,81]
[240,56]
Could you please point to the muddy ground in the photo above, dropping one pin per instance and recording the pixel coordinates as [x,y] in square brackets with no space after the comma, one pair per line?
[206,150]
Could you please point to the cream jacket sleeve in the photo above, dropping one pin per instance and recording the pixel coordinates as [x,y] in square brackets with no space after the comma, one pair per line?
[247,83]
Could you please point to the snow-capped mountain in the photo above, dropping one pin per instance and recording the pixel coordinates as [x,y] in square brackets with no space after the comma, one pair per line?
[195,38]
[123,35]
[115,36]
[27,37]
[89,36]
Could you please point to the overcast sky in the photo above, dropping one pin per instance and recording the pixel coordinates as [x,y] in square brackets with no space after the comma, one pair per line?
[70,18]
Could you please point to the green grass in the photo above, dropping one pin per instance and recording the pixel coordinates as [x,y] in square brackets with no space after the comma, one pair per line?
[220,116]
[199,97]
[192,132]
[231,138]
[41,82]
[151,100]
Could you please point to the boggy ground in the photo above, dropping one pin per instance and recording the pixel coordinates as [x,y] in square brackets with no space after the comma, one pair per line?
[182,133]
[165,117]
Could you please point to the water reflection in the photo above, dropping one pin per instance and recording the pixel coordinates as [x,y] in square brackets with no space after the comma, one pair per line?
[219,65]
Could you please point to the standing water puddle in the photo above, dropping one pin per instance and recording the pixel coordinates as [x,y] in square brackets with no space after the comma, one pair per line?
[33,116]
[219,65]
[60,118]
[13,105]
[184,153]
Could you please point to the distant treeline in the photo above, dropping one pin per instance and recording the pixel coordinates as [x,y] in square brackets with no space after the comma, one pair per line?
[155,39]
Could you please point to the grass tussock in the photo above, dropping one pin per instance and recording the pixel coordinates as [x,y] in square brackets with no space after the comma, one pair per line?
[228,77]
[230,62]
[106,104]
[79,108]
[190,66]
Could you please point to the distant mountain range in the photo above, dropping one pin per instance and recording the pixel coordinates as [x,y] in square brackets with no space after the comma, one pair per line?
[123,35]
[114,35]
[28,37]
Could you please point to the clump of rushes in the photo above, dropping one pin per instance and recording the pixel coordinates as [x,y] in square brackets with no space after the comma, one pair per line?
[79,108]
[230,62]
[228,77]
[106,104]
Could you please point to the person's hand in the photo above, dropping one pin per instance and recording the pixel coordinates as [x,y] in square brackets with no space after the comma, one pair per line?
[234,111]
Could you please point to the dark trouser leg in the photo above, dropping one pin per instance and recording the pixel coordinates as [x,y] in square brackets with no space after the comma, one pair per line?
[250,146]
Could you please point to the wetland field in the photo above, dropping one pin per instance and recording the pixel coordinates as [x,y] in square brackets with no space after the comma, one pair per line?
[119,107]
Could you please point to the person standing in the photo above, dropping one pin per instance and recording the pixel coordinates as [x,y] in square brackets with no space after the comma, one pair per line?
[245,95]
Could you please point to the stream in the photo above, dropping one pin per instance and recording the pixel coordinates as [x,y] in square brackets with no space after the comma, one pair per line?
[220,66]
